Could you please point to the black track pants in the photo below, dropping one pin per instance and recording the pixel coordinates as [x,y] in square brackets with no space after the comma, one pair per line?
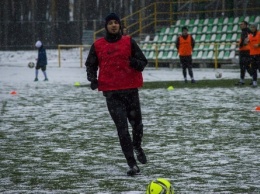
[244,62]
[186,63]
[255,62]
[124,106]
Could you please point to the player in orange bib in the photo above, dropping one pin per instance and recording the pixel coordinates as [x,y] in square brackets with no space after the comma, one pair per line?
[185,44]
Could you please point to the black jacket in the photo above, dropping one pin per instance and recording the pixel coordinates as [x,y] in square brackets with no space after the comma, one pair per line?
[244,34]
[42,57]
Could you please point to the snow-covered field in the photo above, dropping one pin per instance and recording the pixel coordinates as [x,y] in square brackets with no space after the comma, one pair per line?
[58,138]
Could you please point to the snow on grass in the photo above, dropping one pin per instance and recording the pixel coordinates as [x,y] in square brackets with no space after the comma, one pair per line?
[58,138]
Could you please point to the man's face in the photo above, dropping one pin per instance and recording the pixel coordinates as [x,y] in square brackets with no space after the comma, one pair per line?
[113,27]
[185,32]
[253,28]
[242,25]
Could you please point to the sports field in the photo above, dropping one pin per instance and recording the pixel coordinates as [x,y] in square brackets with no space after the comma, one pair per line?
[59,138]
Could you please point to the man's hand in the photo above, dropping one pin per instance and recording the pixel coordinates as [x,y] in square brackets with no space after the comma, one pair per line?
[134,64]
[94,84]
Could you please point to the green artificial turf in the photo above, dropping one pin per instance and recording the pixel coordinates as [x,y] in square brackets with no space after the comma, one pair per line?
[223,83]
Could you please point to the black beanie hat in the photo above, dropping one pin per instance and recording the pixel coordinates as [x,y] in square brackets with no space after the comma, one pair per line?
[112,16]
[184,28]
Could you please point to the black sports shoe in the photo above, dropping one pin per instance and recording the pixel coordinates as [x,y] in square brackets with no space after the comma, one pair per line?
[133,170]
[140,155]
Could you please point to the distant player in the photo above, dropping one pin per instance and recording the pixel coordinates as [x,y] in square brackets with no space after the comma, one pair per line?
[41,61]
[185,44]
[244,56]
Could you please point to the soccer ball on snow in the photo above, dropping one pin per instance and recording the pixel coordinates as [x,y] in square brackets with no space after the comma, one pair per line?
[31,64]
[218,74]
[158,186]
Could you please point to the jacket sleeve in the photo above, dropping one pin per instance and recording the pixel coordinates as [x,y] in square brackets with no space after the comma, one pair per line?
[92,64]
[177,43]
[243,37]
[138,59]
[192,42]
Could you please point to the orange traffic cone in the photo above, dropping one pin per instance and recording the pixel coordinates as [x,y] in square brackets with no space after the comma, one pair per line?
[13,92]
[257,108]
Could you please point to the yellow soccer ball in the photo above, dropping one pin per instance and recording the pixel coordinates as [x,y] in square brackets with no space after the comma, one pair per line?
[170,88]
[159,186]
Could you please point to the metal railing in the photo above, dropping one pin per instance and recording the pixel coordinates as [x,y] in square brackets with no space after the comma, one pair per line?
[150,18]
